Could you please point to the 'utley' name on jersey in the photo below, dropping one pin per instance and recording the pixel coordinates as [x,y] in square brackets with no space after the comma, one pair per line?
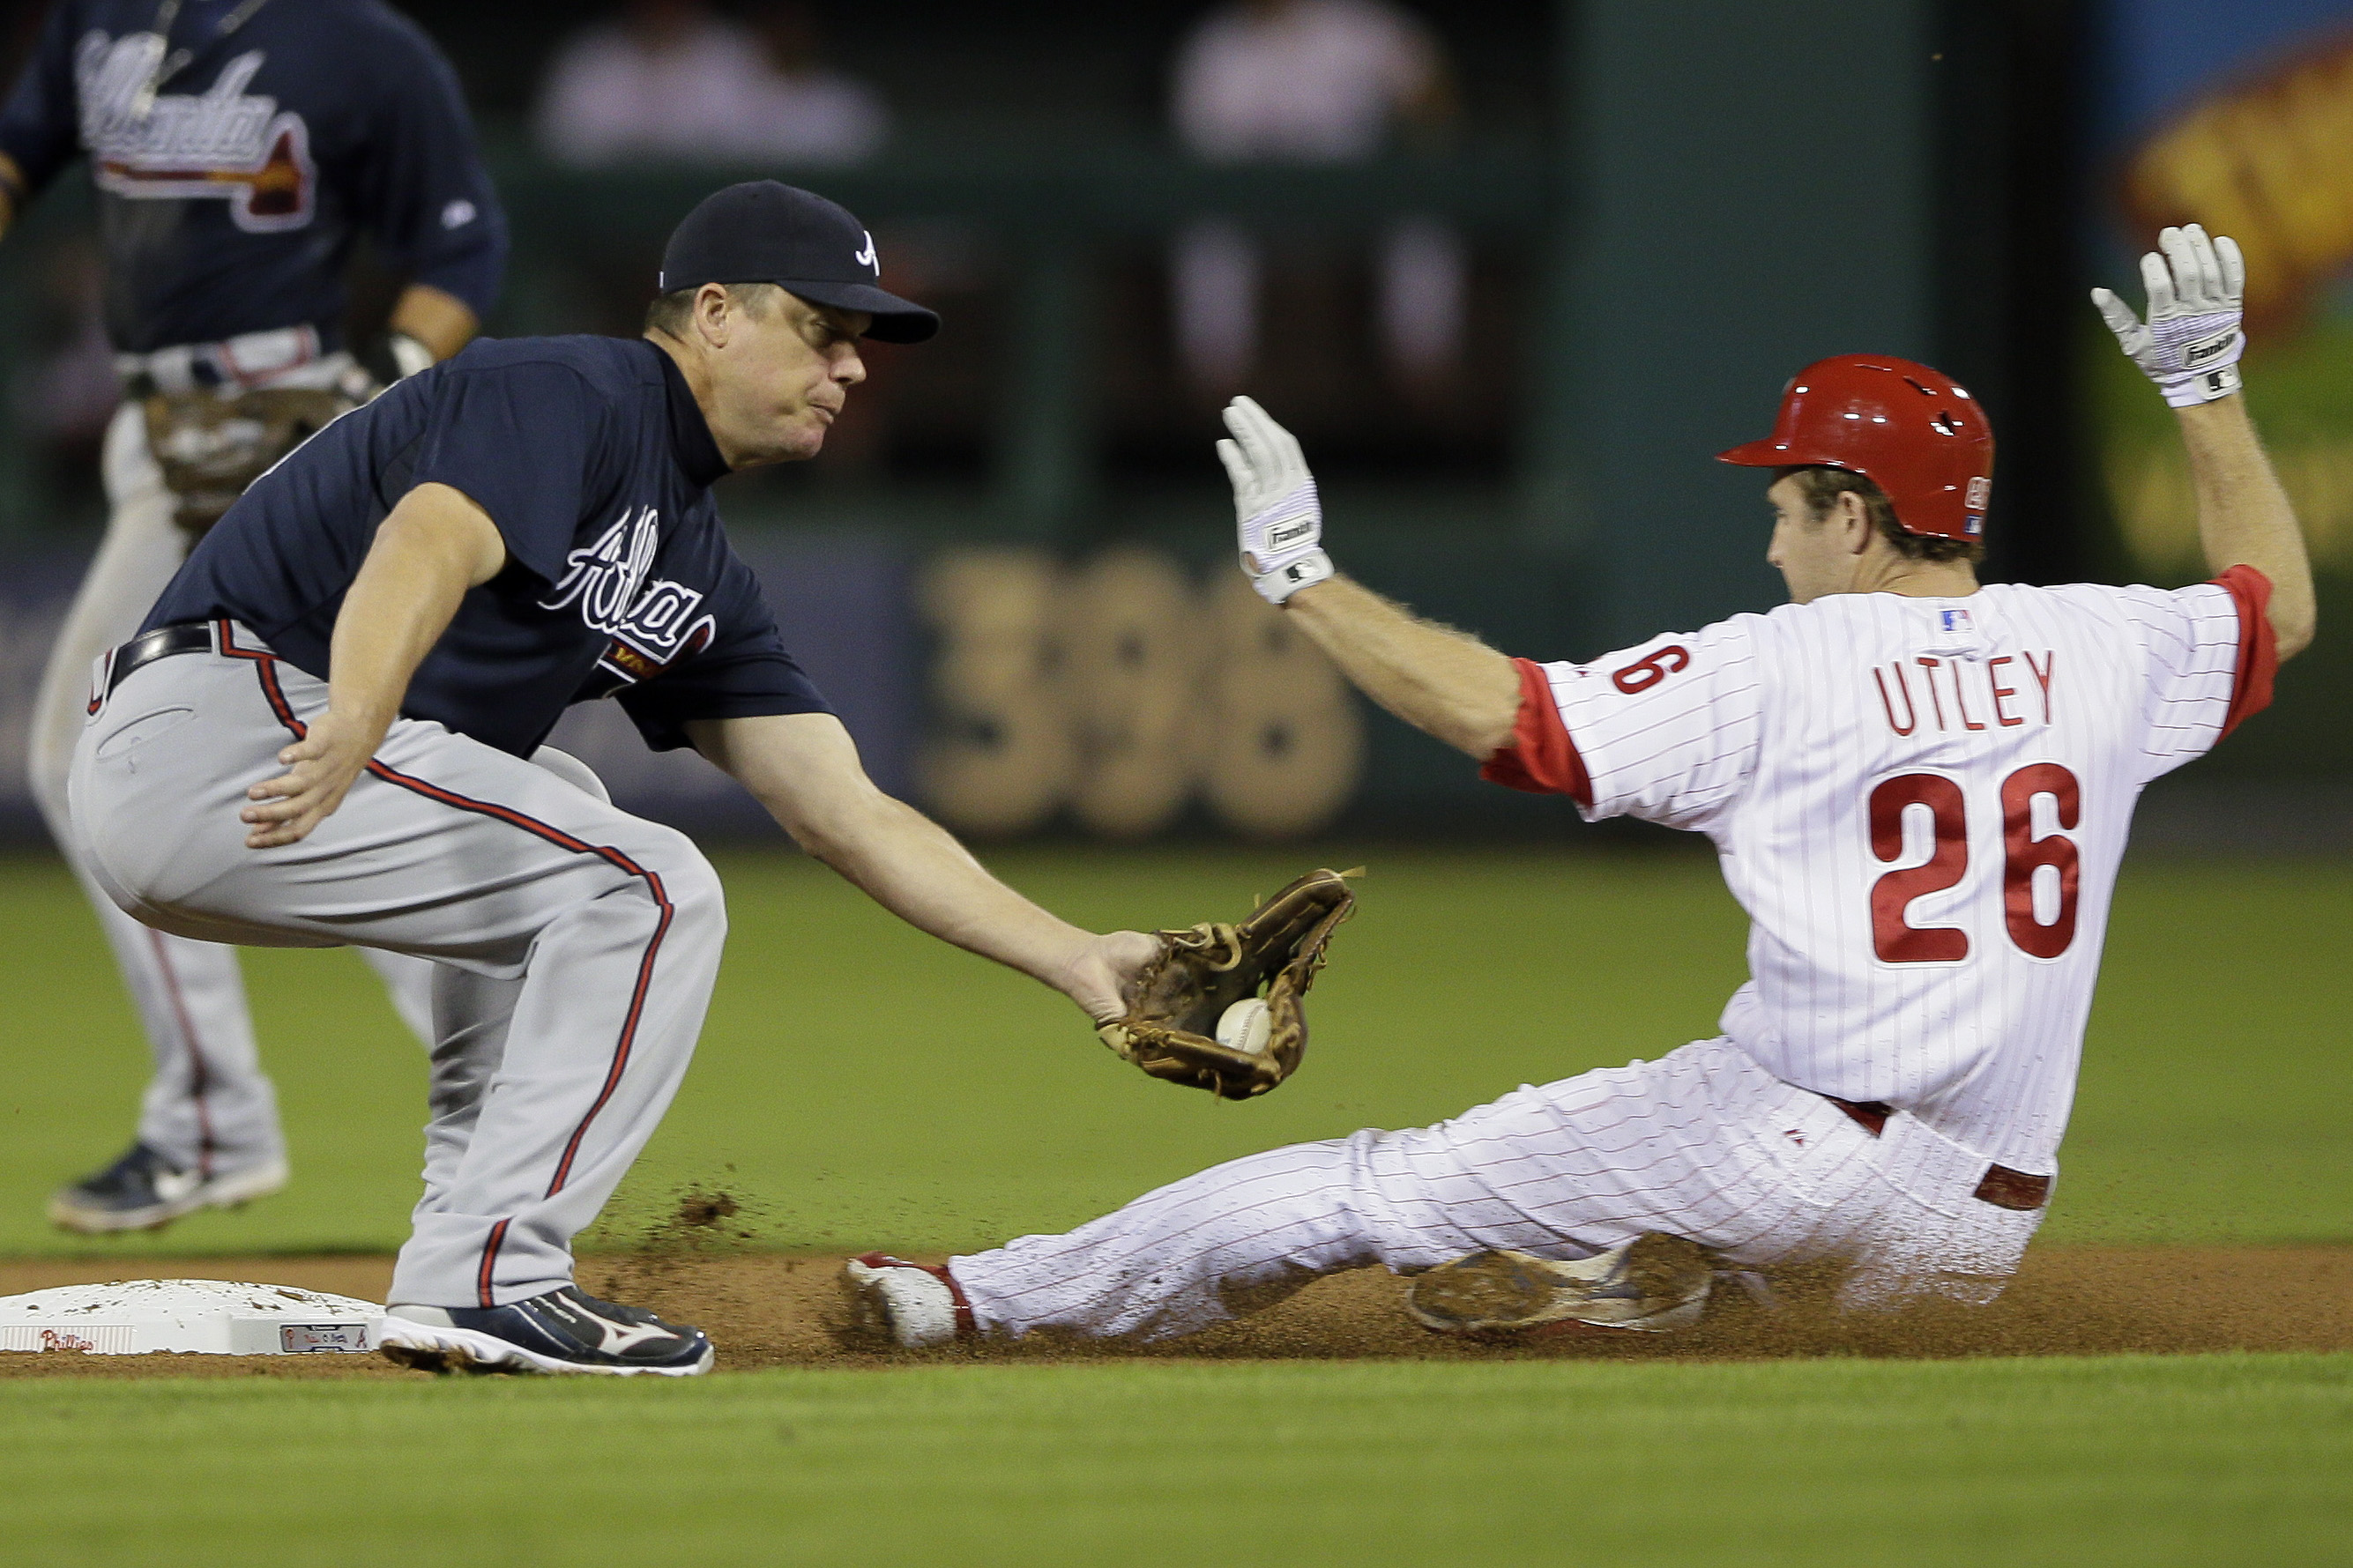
[2009,706]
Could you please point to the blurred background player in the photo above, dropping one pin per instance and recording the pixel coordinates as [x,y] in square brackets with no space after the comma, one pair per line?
[1920,789]
[674,79]
[239,148]
[1311,82]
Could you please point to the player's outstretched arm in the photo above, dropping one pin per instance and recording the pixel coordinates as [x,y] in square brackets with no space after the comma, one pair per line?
[804,768]
[2190,346]
[1441,681]
[435,544]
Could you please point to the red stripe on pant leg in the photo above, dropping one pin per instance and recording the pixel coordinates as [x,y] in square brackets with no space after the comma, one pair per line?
[626,1045]
[620,1056]
[489,1260]
[623,1047]
[265,665]
[200,1078]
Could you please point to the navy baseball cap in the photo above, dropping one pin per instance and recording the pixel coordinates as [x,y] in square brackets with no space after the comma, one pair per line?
[763,231]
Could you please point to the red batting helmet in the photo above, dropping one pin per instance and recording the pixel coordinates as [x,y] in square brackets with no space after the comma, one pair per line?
[1913,431]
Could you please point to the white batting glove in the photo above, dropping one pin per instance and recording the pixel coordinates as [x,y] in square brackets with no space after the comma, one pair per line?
[1280,521]
[2191,343]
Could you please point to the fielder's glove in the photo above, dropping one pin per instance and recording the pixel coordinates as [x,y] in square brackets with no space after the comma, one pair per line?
[211,446]
[1282,523]
[1171,1023]
[2191,343]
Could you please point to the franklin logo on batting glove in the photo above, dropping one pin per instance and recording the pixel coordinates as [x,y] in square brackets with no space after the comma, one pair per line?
[2192,340]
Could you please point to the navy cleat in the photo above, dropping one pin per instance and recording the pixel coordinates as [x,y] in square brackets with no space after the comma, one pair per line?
[562,1331]
[143,1191]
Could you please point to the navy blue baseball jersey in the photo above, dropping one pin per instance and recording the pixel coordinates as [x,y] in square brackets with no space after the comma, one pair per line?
[593,459]
[235,165]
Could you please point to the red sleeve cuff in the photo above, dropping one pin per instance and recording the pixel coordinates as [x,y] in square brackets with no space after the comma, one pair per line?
[2251,689]
[1540,757]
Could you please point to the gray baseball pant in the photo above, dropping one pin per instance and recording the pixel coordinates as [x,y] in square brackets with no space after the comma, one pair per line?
[208,1106]
[578,943]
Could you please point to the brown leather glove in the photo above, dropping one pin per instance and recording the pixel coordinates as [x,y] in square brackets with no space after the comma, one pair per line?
[1171,1024]
[210,447]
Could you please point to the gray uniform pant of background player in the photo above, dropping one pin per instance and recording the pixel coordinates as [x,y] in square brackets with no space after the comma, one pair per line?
[578,944]
[208,1106]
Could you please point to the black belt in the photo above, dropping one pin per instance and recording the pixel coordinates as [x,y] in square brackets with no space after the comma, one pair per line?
[2000,1187]
[183,636]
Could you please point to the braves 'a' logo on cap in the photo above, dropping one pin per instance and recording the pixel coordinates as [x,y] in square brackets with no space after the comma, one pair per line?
[867,257]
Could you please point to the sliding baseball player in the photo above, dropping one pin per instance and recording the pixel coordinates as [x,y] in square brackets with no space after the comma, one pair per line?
[1920,788]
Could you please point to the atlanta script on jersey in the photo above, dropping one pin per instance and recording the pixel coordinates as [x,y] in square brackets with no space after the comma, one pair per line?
[1921,803]
[620,580]
[238,159]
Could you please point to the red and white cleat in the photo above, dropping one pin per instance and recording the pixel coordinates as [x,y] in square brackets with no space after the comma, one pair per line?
[915,1306]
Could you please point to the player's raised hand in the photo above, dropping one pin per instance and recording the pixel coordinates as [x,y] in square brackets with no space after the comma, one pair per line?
[321,769]
[1281,522]
[2191,342]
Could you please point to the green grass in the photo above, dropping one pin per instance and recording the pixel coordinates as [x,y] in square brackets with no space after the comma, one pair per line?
[866,1086]
[2135,1461]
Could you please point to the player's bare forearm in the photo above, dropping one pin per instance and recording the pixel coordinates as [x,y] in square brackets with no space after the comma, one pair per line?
[435,544]
[1443,682]
[441,321]
[804,768]
[2244,517]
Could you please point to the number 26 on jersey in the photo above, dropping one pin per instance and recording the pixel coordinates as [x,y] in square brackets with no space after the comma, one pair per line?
[1897,940]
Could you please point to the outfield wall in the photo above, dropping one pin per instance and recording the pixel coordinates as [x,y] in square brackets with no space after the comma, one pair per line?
[1140,691]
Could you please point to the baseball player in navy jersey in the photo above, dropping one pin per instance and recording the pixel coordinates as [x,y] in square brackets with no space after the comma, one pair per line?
[238,148]
[1920,788]
[325,732]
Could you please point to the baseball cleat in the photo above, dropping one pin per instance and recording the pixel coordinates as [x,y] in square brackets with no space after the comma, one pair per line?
[1651,1284]
[143,1191]
[915,1306]
[562,1331]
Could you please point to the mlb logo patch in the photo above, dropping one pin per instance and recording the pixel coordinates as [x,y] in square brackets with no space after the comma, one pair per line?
[1954,621]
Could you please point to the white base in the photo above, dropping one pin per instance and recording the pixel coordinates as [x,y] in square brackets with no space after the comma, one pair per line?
[205,1317]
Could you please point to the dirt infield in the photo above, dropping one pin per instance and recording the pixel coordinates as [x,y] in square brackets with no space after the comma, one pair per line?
[767,1311]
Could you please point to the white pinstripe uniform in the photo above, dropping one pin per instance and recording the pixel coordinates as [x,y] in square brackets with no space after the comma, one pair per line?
[1921,803]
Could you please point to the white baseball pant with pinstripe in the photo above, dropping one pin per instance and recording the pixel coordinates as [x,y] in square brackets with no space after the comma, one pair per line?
[208,1106]
[1702,1143]
[577,944]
